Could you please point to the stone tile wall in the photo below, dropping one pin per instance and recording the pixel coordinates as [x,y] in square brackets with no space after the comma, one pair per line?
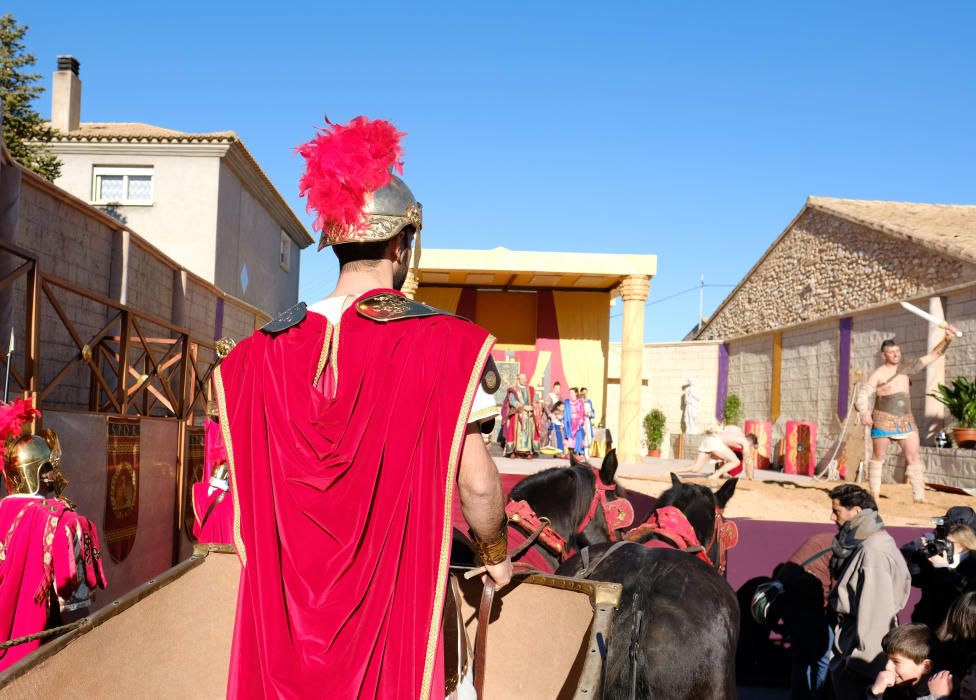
[750,373]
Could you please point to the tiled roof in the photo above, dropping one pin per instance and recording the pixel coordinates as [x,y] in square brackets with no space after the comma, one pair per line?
[138,132]
[947,228]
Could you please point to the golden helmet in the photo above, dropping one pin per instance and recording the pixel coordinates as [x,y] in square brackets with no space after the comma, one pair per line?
[27,457]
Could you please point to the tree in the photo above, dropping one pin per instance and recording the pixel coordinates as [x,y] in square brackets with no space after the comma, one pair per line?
[25,133]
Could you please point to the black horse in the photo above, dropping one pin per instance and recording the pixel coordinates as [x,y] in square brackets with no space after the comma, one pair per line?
[676,630]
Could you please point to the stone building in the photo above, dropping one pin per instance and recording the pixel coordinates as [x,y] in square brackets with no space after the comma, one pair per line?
[201,199]
[814,309]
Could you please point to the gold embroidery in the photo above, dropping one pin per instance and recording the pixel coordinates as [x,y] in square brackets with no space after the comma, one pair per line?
[324,355]
[334,359]
[225,429]
[452,464]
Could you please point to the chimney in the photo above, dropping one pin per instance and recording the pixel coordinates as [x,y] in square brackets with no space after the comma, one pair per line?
[66,95]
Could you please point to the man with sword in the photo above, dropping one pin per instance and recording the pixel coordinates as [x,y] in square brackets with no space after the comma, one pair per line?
[884,404]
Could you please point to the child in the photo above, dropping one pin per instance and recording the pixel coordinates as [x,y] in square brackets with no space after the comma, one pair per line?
[910,649]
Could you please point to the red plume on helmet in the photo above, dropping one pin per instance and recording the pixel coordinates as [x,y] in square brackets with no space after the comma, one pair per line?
[343,165]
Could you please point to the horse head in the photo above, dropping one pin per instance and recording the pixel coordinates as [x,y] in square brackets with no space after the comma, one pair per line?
[584,505]
[704,510]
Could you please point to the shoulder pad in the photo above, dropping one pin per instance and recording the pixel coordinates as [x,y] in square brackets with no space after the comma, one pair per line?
[490,379]
[384,307]
[286,319]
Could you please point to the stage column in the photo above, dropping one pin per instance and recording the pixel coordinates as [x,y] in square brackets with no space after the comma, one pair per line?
[634,290]
[934,419]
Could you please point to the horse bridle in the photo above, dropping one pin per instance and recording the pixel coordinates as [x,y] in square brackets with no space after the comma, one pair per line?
[726,535]
[618,513]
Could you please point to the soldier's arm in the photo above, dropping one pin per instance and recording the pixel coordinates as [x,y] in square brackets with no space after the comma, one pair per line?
[939,350]
[483,500]
[864,399]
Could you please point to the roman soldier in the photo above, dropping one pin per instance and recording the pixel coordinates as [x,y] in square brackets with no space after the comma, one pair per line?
[50,564]
[348,425]
[213,508]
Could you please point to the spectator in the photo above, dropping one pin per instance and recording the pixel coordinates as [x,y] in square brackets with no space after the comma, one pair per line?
[872,586]
[940,580]
[958,635]
[908,672]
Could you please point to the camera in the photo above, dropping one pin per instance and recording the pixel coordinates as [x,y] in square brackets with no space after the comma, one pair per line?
[940,546]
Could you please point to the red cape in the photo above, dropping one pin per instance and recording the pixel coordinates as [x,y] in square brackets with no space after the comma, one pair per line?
[343,445]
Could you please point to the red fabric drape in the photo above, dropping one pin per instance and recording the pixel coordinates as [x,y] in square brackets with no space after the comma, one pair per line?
[342,494]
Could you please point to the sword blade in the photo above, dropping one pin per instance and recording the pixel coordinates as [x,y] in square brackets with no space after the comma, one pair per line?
[911,308]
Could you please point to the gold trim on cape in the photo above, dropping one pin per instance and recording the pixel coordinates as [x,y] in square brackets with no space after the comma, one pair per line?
[225,430]
[445,557]
[324,354]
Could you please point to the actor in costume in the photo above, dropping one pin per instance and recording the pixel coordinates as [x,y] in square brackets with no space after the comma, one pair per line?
[555,444]
[732,449]
[574,423]
[884,404]
[541,416]
[213,507]
[589,412]
[521,436]
[342,499]
[50,565]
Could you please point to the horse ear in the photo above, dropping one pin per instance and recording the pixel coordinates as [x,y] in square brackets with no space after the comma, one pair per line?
[608,469]
[724,494]
[675,481]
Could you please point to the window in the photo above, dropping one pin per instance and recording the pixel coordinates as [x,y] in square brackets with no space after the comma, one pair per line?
[284,256]
[132,185]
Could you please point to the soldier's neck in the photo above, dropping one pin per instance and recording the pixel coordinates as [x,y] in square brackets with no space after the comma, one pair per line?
[355,283]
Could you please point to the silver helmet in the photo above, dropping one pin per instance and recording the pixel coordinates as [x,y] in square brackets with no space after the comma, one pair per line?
[388,211]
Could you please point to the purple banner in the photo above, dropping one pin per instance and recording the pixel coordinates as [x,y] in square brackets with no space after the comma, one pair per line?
[723,381]
[844,367]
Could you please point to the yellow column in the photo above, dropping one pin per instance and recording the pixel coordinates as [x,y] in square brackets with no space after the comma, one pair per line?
[634,290]
[409,286]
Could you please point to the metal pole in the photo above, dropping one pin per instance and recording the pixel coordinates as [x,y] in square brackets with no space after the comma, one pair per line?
[10,357]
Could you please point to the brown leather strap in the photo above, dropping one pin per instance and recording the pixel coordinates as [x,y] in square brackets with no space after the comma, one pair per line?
[481,641]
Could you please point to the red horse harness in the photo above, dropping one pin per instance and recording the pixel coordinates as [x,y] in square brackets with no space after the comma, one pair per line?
[674,530]
[618,514]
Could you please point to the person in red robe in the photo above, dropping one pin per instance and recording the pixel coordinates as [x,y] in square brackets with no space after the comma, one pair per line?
[50,564]
[521,434]
[213,508]
[342,500]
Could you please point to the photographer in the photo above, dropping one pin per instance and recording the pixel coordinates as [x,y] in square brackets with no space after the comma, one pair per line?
[942,564]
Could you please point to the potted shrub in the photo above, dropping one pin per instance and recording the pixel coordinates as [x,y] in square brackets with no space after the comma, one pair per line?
[732,413]
[960,398]
[654,431]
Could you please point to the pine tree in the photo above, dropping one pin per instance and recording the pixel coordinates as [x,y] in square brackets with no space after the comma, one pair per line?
[25,133]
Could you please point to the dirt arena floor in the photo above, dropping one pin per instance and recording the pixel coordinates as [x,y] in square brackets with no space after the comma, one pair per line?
[807,501]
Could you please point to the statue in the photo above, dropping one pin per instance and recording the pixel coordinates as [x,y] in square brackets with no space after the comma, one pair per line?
[689,408]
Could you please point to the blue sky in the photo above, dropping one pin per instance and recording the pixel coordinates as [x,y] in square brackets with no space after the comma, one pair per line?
[691,130]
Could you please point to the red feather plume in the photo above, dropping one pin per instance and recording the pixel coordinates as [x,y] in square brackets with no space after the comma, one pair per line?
[344,163]
[14,418]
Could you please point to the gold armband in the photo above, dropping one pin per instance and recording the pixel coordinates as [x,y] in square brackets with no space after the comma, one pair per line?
[942,346]
[495,550]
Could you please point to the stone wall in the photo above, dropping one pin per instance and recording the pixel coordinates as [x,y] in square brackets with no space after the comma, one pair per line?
[826,266]
[667,368]
[808,375]
[750,372]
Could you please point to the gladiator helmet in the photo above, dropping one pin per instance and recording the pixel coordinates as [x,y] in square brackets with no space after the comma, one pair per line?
[350,185]
[27,457]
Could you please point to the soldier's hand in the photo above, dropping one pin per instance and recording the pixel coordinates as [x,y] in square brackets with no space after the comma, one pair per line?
[950,331]
[501,574]
[867,420]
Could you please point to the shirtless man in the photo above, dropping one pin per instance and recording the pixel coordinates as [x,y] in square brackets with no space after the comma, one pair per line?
[891,417]
[723,447]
